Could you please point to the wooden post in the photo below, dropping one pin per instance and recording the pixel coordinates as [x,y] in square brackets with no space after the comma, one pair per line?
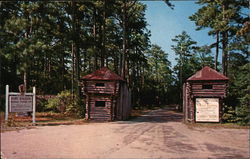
[184,100]
[7,102]
[34,105]
[111,108]
[87,107]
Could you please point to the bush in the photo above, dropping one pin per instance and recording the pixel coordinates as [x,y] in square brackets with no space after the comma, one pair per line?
[61,102]
[64,103]
[239,96]
[229,115]
[243,111]
[41,105]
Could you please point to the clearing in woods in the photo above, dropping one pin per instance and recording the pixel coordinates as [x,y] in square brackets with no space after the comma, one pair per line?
[158,134]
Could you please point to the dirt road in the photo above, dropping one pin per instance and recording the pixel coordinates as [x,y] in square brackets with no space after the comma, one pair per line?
[159,134]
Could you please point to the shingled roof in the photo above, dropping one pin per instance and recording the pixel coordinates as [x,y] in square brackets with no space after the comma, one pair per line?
[103,74]
[207,73]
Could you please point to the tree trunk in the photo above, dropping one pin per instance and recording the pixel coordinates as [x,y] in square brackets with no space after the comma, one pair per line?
[217,49]
[73,70]
[224,53]
[103,36]
[181,80]
[224,45]
[25,80]
[116,63]
[124,42]
[94,34]
[63,71]
[76,50]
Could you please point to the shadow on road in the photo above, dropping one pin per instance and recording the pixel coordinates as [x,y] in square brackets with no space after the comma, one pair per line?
[159,116]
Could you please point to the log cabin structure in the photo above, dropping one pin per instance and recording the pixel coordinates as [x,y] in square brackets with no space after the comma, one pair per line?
[203,96]
[107,96]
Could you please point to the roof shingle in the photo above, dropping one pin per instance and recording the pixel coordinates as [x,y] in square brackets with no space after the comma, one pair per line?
[103,74]
[207,73]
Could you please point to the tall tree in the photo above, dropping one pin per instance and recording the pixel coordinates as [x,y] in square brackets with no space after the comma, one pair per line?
[223,17]
[159,73]
[190,58]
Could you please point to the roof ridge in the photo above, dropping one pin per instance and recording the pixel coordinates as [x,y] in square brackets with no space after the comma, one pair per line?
[207,73]
[103,73]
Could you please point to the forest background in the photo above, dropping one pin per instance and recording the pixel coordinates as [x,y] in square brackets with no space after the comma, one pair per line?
[51,45]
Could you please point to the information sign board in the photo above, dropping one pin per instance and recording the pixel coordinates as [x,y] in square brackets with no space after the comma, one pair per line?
[207,110]
[21,103]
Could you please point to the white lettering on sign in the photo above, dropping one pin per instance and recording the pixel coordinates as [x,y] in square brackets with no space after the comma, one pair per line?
[20,103]
[207,110]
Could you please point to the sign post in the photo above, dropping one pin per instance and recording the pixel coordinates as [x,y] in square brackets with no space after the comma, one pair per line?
[34,105]
[7,102]
[20,102]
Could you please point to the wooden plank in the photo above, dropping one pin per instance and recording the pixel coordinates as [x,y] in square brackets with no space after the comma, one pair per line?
[109,87]
[219,87]
[101,110]
[208,91]
[100,99]
[96,114]
[100,115]
[94,98]
[196,87]
[209,95]
[214,87]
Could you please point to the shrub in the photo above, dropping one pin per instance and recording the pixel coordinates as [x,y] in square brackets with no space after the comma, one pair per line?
[239,95]
[61,102]
[41,105]
[64,103]
[229,115]
[243,111]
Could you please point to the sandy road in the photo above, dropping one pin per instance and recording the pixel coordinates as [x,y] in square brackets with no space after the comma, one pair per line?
[159,134]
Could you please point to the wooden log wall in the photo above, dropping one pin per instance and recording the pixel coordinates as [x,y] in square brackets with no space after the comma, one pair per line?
[108,88]
[117,99]
[100,113]
[218,89]
[124,103]
[192,90]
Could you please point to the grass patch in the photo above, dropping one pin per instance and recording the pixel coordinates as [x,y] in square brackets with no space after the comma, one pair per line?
[42,119]
[216,125]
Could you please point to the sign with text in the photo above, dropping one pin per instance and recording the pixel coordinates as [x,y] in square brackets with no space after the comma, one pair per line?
[21,103]
[207,110]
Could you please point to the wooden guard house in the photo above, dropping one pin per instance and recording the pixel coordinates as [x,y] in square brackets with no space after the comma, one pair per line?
[107,96]
[203,95]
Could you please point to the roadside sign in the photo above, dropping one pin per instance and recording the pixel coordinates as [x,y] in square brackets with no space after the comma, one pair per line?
[207,109]
[22,103]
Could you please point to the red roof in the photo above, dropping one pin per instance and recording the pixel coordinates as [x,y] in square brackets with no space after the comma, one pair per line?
[103,74]
[207,73]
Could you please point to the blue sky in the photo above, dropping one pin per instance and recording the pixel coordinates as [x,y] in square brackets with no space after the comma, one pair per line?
[165,24]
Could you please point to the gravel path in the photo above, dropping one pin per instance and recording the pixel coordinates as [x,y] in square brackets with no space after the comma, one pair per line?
[159,134]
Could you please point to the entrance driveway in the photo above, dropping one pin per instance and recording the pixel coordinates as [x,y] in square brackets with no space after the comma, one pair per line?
[159,134]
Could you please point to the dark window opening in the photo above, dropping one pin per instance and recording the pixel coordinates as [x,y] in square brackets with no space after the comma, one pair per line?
[207,86]
[99,84]
[100,103]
